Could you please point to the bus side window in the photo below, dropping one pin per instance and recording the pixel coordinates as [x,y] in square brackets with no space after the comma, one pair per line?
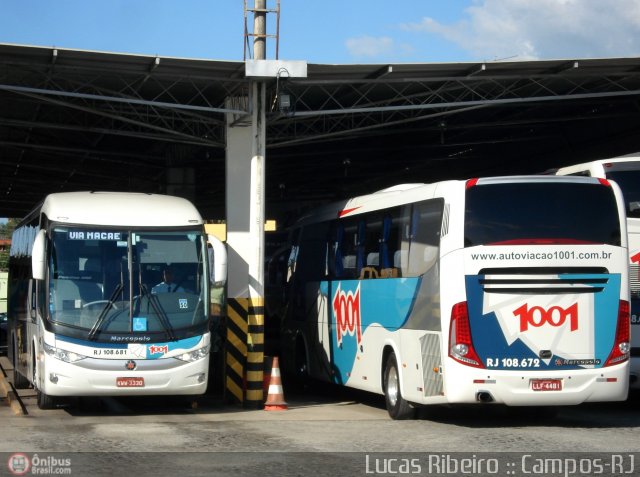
[361,243]
[369,231]
[425,241]
[335,251]
[390,244]
[401,260]
[349,250]
[309,260]
[373,259]
[406,232]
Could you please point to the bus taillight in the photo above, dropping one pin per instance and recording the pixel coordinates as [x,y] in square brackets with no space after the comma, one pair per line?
[460,343]
[471,183]
[621,346]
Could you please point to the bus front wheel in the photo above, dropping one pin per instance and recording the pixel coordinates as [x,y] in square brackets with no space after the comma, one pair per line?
[43,400]
[397,406]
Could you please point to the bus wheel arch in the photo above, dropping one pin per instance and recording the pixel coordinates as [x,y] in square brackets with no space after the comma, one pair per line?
[388,349]
[43,400]
[34,365]
[397,406]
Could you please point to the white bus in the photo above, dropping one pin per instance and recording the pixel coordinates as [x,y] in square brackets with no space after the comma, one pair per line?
[509,290]
[91,312]
[625,171]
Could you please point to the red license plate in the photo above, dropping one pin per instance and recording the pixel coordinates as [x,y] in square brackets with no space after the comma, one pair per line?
[130,382]
[546,384]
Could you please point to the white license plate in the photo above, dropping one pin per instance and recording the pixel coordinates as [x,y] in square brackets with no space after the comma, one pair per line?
[130,382]
[546,384]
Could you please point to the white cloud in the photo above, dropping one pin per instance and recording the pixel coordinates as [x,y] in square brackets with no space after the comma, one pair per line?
[368,46]
[375,47]
[542,29]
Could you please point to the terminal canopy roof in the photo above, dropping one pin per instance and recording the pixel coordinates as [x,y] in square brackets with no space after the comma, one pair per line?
[84,120]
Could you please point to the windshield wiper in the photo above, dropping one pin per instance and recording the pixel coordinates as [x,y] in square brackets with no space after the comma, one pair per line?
[157,307]
[97,327]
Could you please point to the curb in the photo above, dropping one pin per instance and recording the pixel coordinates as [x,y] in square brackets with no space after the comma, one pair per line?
[9,393]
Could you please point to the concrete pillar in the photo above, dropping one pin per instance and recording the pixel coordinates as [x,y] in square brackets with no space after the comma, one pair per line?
[245,197]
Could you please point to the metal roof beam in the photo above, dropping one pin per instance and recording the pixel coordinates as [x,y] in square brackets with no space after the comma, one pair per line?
[114,99]
[462,104]
[170,132]
[103,131]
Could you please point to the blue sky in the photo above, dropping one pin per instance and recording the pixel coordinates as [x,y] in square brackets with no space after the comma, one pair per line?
[335,31]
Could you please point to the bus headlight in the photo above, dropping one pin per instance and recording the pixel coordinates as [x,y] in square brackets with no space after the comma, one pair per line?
[62,355]
[195,355]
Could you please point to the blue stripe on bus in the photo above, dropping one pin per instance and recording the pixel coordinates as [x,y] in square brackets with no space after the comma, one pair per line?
[386,303]
[185,344]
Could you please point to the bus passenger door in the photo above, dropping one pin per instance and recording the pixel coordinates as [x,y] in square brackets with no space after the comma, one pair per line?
[29,328]
[344,313]
[323,309]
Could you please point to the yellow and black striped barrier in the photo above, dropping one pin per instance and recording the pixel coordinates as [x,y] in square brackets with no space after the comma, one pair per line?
[245,351]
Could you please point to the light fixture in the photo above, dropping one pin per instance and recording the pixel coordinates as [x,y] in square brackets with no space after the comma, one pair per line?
[284,102]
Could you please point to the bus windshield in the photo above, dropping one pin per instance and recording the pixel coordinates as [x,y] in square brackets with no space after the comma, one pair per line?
[629,182]
[541,213]
[126,282]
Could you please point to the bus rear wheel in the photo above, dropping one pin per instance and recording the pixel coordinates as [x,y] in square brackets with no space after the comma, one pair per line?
[397,406]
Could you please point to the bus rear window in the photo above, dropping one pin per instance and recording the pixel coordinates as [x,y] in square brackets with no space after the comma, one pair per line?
[541,213]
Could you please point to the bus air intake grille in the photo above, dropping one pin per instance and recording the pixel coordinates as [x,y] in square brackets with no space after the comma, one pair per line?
[634,280]
[508,282]
[431,362]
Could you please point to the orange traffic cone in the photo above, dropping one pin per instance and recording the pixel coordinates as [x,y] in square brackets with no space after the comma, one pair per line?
[275,397]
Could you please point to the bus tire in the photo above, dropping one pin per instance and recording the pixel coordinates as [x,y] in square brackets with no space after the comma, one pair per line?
[397,406]
[45,401]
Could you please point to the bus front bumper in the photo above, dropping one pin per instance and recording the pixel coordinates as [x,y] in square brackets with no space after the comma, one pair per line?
[551,388]
[95,377]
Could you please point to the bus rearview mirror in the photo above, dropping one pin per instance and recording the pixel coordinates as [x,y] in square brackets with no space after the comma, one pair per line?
[38,256]
[217,260]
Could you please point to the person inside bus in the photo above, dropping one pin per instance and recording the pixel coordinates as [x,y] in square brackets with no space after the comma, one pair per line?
[167,284]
